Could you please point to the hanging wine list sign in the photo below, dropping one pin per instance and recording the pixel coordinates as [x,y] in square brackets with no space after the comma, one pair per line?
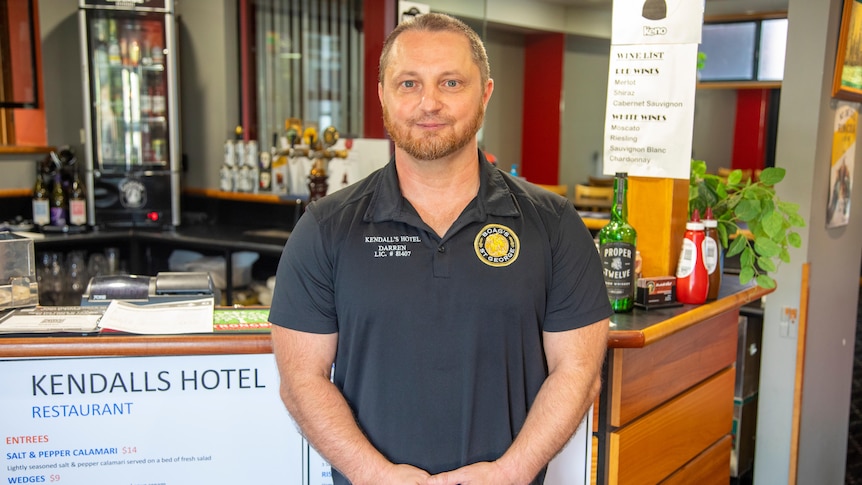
[651,86]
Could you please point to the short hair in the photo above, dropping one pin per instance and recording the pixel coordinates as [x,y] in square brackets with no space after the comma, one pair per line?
[438,22]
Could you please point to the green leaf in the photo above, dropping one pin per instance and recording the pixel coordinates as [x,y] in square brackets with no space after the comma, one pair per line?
[794,239]
[734,177]
[746,274]
[788,207]
[784,255]
[772,175]
[747,257]
[766,247]
[796,220]
[747,210]
[736,246]
[722,235]
[698,168]
[773,224]
[763,281]
[766,264]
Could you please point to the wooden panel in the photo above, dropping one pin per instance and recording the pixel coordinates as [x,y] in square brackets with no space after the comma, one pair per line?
[710,467]
[121,344]
[645,378]
[653,447]
[658,209]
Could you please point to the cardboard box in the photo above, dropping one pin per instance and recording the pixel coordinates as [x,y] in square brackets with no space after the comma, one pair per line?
[656,292]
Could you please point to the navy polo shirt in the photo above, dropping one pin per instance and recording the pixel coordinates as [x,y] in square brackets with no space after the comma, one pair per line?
[440,338]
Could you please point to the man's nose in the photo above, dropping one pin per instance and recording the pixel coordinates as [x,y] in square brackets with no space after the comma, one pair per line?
[430,99]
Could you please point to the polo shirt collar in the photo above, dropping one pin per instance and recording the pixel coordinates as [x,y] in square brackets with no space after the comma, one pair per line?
[495,198]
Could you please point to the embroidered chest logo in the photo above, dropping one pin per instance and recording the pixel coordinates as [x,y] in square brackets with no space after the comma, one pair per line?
[497,245]
[392,246]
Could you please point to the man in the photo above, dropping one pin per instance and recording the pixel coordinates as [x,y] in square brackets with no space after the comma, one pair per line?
[464,309]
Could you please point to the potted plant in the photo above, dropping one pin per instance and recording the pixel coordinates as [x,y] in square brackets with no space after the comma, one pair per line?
[752,221]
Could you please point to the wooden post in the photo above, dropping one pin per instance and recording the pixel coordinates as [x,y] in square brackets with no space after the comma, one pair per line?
[658,210]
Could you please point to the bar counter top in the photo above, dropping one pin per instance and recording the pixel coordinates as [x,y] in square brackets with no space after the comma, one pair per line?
[637,329]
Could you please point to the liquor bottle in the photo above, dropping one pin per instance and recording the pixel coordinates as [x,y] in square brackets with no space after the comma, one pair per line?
[58,202]
[77,201]
[158,98]
[711,254]
[618,250]
[41,213]
[113,45]
[692,280]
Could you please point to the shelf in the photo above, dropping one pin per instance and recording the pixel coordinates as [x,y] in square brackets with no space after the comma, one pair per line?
[16,152]
[267,198]
[739,85]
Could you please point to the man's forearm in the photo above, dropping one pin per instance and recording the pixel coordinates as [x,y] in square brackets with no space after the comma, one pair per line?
[559,408]
[327,423]
[318,407]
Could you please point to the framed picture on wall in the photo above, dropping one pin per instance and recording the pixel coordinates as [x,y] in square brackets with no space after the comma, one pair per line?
[847,81]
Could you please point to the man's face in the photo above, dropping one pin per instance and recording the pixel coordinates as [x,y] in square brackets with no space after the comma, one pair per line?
[432,95]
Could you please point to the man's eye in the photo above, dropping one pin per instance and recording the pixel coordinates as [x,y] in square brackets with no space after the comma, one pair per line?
[451,84]
[408,84]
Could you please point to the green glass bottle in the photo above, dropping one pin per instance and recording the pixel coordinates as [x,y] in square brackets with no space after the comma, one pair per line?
[618,250]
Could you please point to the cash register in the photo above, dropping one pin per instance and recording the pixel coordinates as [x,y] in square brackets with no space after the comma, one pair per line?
[163,288]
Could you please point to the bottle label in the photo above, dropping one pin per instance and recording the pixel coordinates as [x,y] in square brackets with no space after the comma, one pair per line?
[710,254]
[77,212]
[58,216]
[618,265]
[687,257]
[41,214]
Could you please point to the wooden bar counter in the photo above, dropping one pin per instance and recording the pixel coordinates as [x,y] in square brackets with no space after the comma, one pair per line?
[665,414]
[666,408]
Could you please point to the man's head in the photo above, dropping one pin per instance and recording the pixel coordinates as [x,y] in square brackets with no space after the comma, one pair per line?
[434,86]
[435,22]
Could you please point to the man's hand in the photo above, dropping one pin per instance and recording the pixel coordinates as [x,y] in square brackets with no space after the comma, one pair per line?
[482,473]
[400,475]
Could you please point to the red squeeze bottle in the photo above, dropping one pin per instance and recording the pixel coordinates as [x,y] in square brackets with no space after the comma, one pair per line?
[692,278]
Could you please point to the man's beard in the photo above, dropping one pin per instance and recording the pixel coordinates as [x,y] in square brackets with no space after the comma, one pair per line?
[432,146]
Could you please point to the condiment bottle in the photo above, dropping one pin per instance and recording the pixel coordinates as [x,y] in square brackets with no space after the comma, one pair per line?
[692,279]
[618,250]
[711,254]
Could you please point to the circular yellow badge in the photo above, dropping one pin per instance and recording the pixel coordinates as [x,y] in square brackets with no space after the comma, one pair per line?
[497,245]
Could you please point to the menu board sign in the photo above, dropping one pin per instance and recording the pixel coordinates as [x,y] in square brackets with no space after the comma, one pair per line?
[166,420]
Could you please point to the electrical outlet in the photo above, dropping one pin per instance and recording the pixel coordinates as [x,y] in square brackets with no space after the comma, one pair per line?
[788,325]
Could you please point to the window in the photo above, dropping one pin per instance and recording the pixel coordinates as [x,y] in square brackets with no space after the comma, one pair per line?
[751,50]
[306,59]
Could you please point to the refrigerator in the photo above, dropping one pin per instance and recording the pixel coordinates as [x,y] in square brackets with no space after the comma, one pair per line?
[131,112]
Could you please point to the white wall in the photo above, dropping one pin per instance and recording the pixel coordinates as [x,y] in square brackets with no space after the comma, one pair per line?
[804,149]
[714,120]
[501,133]
[585,88]
[209,85]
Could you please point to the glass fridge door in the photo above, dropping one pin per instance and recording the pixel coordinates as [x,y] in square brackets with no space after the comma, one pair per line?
[129,91]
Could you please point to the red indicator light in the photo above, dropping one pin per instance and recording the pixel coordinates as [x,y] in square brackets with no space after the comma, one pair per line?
[153,216]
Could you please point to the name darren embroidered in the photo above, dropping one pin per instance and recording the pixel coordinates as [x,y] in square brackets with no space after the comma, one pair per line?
[386,246]
[497,245]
